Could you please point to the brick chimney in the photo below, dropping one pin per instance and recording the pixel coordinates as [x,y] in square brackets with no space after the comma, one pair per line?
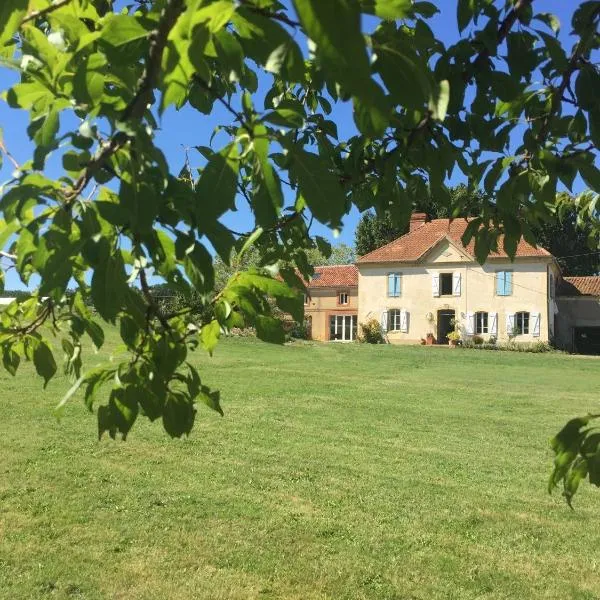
[417,220]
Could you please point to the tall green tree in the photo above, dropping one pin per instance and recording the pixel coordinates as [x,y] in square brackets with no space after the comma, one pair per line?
[507,105]
[568,239]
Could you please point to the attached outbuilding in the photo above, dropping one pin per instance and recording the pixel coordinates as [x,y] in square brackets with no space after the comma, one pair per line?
[578,315]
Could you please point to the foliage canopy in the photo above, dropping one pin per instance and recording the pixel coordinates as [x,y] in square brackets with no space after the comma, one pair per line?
[507,105]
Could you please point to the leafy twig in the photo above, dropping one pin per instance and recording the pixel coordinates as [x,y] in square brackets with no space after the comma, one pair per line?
[136,107]
[36,14]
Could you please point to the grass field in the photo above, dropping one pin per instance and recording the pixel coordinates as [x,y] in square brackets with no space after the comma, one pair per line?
[339,471]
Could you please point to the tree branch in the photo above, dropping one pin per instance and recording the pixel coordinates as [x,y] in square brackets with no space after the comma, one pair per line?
[36,14]
[283,18]
[135,109]
[558,94]
[503,31]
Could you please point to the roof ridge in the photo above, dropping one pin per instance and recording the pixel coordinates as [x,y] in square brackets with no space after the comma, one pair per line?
[332,266]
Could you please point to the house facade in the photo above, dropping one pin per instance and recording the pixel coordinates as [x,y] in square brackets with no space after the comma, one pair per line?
[427,283]
[331,304]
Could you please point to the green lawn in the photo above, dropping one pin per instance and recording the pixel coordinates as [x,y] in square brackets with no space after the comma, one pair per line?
[339,471]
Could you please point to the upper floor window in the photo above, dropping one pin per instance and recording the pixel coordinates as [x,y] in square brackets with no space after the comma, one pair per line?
[551,285]
[481,323]
[306,299]
[343,298]
[394,285]
[446,284]
[521,323]
[504,283]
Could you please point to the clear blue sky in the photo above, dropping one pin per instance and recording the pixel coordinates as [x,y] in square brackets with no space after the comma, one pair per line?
[189,128]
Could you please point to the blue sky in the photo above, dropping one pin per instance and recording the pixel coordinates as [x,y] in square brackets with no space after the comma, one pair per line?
[188,128]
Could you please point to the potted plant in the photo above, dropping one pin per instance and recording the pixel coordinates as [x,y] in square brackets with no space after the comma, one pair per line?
[453,338]
[430,339]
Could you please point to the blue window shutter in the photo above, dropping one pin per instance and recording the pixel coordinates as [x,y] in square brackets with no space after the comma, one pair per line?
[500,283]
[398,284]
[508,283]
[391,284]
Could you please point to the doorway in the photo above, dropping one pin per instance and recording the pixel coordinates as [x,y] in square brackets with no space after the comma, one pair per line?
[445,319]
[342,327]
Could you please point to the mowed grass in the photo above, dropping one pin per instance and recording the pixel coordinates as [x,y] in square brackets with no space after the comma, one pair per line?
[339,471]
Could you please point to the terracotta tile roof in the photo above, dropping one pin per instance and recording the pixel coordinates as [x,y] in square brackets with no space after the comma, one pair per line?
[334,276]
[580,286]
[411,246]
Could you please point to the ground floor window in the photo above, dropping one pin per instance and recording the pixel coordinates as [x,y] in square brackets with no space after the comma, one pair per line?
[343,327]
[394,320]
[522,323]
[481,323]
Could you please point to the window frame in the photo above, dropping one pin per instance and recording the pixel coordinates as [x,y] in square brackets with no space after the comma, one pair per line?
[307,299]
[511,271]
[480,328]
[339,298]
[525,316]
[398,275]
[450,276]
[394,318]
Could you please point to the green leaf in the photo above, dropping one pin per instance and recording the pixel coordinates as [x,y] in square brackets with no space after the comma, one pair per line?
[267,185]
[212,399]
[124,407]
[108,281]
[178,415]
[287,61]
[388,9]
[44,362]
[10,359]
[464,13]
[587,87]
[334,26]
[217,187]
[88,83]
[438,103]
[319,186]
[45,135]
[549,19]
[123,29]
[209,335]
[11,15]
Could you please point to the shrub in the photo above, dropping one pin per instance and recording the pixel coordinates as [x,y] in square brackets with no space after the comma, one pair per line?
[299,331]
[454,336]
[478,340]
[512,346]
[371,332]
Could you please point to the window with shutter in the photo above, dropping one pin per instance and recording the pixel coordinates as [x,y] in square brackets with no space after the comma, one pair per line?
[435,284]
[504,283]
[456,281]
[394,285]
[522,323]
[404,321]
[481,323]
[535,324]
[493,323]
[394,319]
[470,323]
[384,321]
[446,284]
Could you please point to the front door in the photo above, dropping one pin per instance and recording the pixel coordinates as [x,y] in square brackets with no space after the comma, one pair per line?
[445,325]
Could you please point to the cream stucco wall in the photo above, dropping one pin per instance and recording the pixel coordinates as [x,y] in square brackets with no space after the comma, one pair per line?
[478,292]
[323,302]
